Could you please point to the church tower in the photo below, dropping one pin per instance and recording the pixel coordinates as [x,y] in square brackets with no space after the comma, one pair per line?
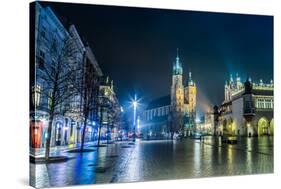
[177,97]
[191,94]
[177,88]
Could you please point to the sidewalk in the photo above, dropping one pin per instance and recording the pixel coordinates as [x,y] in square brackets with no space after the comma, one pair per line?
[103,165]
[57,150]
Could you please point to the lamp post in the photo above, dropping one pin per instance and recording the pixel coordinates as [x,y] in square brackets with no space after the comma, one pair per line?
[135,104]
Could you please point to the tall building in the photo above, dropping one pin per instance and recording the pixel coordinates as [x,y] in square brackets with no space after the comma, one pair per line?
[50,36]
[190,95]
[177,96]
[173,113]
[247,109]
[58,50]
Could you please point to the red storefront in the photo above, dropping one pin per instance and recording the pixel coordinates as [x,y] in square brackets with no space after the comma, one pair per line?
[36,127]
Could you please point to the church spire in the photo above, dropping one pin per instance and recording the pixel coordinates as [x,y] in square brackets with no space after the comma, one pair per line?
[177,67]
[231,78]
[190,81]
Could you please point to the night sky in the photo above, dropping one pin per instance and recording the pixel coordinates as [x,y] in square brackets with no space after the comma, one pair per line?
[136,47]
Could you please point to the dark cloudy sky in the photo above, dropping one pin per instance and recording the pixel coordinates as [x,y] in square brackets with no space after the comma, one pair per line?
[136,47]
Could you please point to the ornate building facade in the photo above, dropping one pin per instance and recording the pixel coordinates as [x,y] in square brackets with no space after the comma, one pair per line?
[109,110]
[174,113]
[247,109]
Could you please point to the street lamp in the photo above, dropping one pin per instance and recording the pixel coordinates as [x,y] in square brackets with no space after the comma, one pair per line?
[138,123]
[135,104]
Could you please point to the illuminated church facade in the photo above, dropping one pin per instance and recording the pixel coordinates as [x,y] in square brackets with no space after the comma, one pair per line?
[173,113]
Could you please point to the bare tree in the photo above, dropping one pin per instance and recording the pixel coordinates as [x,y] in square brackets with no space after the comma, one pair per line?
[59,77]
[89,95]
[104,106]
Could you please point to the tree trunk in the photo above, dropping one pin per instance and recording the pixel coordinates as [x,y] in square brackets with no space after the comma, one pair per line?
[52,112]
[101,118]
[107,129]
[83,133]
[49,134]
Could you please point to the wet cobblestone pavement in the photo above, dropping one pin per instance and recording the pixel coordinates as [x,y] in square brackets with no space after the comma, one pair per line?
[157,160]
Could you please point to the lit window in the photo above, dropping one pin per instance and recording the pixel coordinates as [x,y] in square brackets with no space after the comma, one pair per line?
[267,103]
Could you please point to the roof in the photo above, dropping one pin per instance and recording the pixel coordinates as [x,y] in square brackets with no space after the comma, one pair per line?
[159,102]
[92,58]
[262,92]
[157,120]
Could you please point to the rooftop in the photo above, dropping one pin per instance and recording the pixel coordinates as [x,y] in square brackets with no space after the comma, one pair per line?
[159,102]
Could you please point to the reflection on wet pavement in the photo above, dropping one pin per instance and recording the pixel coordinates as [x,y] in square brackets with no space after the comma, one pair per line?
[157,160]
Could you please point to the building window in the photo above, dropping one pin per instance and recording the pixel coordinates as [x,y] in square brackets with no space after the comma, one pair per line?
[50,94]
[258,103]
[41,59]
[54,46]
[268,103]
[264,103]
[36,94]
[71,128]
[43,32]
[146,115]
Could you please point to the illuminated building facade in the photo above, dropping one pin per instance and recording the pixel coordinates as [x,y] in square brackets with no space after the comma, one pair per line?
[109,110]
[174,113]
[50,37]
[247,109]
[48,29]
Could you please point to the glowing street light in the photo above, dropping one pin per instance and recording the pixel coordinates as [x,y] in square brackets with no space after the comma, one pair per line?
[197,120]
[135,104]
[138,123]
